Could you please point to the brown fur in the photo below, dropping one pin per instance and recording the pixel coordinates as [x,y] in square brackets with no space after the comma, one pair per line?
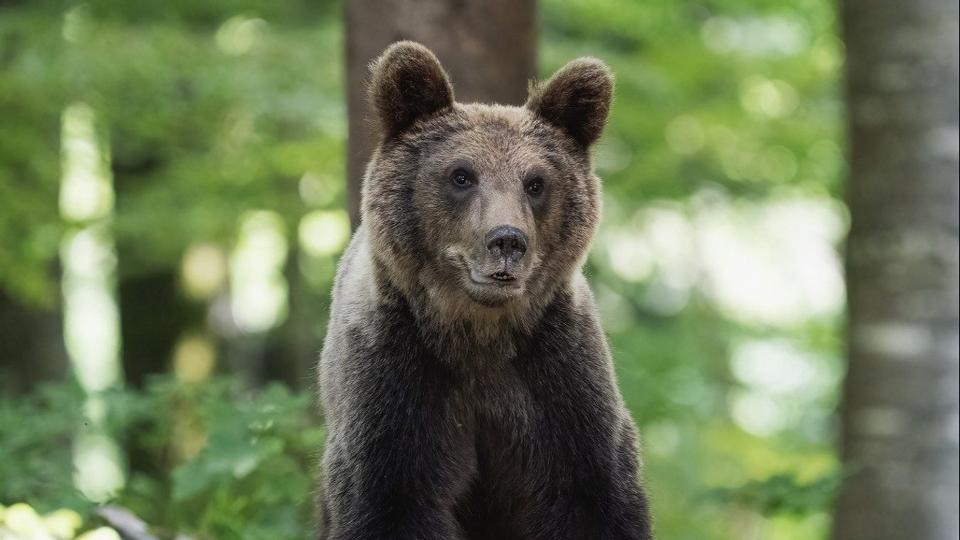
[408,83]
[576,99]
[458,404]
[504,143]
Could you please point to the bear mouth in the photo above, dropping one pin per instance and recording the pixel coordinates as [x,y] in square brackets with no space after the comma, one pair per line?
[492,290]
[500,278]
[490,285]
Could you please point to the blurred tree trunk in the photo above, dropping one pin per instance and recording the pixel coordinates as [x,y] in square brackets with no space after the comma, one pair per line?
[153,317]
[900,440]
[33,345]
[489,48]
[153,312]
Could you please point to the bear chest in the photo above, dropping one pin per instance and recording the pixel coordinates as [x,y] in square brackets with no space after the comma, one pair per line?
[498,415]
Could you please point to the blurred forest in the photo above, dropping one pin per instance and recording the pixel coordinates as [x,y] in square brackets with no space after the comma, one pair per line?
[176,185]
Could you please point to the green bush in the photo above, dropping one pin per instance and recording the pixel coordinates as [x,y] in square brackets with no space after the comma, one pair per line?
[211,460]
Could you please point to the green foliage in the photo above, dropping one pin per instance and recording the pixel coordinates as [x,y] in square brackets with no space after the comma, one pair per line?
[251,479]
[31,97]
[783,494]
[209,109]
[37,430]
[236,463]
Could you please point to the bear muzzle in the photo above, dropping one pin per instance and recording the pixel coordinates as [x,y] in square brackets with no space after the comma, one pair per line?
[506,243]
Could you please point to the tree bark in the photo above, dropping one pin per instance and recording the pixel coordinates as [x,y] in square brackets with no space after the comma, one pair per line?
[900,411]
[488,48]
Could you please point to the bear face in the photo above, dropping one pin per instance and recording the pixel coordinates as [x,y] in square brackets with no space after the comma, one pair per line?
[482,210]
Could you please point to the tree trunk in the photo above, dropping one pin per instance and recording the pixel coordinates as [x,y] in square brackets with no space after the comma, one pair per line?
[900,414]
[487,46]
[153,316]
[153,312]
[33,345]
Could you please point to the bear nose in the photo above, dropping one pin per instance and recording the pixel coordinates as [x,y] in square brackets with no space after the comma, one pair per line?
[507,242]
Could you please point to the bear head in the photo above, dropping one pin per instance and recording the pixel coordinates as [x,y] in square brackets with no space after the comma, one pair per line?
[477,210]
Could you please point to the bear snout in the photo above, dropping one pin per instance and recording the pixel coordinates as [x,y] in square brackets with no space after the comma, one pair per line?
[506,243]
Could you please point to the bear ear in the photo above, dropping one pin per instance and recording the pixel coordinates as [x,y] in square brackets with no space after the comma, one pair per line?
[407,83]
[576,99]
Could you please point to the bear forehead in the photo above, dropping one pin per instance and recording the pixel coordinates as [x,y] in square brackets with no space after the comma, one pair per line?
[496,134]
[506,115]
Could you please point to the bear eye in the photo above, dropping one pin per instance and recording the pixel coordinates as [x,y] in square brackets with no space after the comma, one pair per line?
[535,187]
[461,178]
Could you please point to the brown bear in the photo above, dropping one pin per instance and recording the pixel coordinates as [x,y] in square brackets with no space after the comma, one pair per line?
[468,388]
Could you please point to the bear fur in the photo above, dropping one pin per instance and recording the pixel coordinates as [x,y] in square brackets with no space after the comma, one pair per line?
[468,388]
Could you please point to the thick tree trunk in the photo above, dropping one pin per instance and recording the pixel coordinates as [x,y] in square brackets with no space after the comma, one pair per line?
[900,414]
[33,345]
[487,46]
